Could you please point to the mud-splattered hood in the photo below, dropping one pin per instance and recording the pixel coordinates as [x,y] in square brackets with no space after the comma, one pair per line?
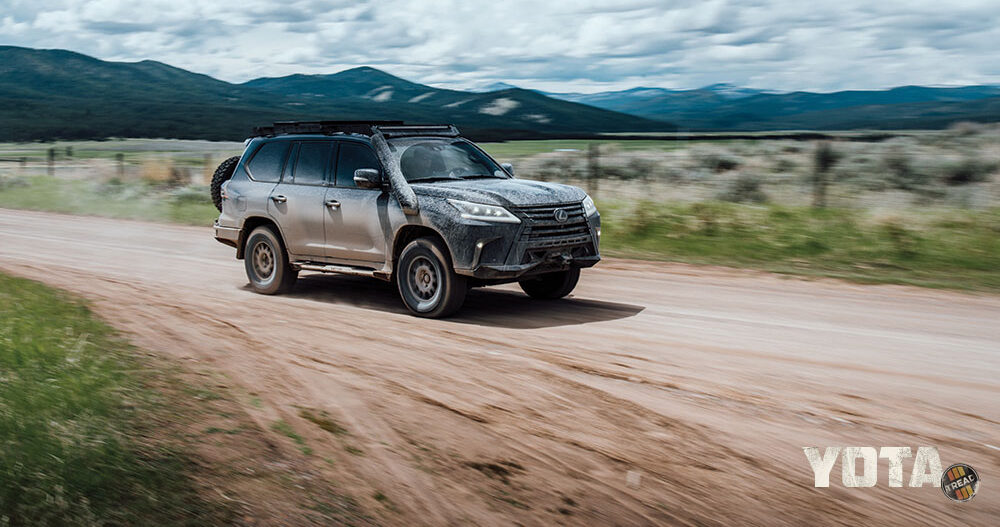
[504,192]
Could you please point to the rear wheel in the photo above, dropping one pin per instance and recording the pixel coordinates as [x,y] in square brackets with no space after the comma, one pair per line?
[266,263]
[427,283]
[550,286]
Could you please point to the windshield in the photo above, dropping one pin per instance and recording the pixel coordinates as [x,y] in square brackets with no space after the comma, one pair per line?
[425,159]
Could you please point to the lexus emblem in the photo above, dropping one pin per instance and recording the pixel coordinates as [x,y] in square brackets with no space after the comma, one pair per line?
[561,215]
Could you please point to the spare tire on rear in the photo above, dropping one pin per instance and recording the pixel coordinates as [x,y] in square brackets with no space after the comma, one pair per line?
[222,174]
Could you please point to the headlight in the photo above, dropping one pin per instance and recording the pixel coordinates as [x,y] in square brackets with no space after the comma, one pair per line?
[480,212]
[588,206]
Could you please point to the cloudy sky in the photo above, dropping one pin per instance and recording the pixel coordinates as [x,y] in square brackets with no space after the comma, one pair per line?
[581,46]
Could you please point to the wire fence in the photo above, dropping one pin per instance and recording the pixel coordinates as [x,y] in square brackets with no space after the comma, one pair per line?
[901,173]
[946,169]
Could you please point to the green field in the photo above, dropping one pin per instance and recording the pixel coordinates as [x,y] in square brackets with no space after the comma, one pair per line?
[73,409]
[950,249]
[190,205]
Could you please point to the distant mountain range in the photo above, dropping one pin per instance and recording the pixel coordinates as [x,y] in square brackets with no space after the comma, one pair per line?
[62,94]
[636,98]
[47,94]
[723,107]
[510,108]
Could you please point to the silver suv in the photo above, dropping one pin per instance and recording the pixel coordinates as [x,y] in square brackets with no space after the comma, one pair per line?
[418,205]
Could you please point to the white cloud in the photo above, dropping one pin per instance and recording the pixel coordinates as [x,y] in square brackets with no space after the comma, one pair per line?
[560,46]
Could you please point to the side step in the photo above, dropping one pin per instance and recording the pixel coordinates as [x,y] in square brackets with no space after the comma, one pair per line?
[330,268]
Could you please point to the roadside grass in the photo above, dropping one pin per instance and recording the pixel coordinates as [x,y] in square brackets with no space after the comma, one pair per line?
[74,423]
[322,420]
[285,429]
[957,249]
[138,200]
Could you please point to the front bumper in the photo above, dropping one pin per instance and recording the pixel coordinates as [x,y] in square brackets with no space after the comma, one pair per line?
[558,262]
[539,246]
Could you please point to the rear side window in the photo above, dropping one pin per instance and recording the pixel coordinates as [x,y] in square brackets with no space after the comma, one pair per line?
[314,157]
[353,156]
[267,162]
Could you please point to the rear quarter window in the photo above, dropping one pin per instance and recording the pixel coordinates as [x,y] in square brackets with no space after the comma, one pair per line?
[314,157]
[267,162]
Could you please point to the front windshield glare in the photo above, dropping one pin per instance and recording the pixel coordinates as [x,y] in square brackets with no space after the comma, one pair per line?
[427,159]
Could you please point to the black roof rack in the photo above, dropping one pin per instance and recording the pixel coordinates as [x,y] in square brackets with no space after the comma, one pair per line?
[320,127]
[446,130]
[389,128]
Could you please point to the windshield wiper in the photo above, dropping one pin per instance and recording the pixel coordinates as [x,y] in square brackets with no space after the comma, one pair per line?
[475,176]
[432,178]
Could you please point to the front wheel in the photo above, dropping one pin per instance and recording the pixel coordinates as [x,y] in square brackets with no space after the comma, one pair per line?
[550,286]
[428,285]
[267,263]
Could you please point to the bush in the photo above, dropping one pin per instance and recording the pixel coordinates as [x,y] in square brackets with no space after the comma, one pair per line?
[901,173]
[720,163]
[616,172]
[785,165]
[968,171]
[557,169]
[745,188]
[639,168]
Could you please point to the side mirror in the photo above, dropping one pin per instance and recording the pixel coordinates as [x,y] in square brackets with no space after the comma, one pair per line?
[367,178]
[508,167]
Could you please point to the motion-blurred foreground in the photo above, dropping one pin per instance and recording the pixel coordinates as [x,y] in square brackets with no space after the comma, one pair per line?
[657,394]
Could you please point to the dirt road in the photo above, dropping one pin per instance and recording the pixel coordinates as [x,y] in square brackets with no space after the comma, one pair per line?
[655,394]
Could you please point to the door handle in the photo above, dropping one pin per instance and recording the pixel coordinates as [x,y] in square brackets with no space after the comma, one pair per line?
[279,198]
[333,204]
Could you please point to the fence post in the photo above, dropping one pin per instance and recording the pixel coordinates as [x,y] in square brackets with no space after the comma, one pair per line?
[593,168]
[52,161]
[120,157]
[206,173]
[825,157]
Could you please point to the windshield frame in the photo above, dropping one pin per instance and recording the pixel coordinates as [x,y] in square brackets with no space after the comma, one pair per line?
[396,143]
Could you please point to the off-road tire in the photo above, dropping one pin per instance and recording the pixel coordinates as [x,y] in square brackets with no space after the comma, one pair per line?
[427,283]
[221,175]
[266,262]
[550,286]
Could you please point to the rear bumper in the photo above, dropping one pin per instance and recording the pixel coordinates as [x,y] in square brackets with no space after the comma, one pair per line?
[227,235]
